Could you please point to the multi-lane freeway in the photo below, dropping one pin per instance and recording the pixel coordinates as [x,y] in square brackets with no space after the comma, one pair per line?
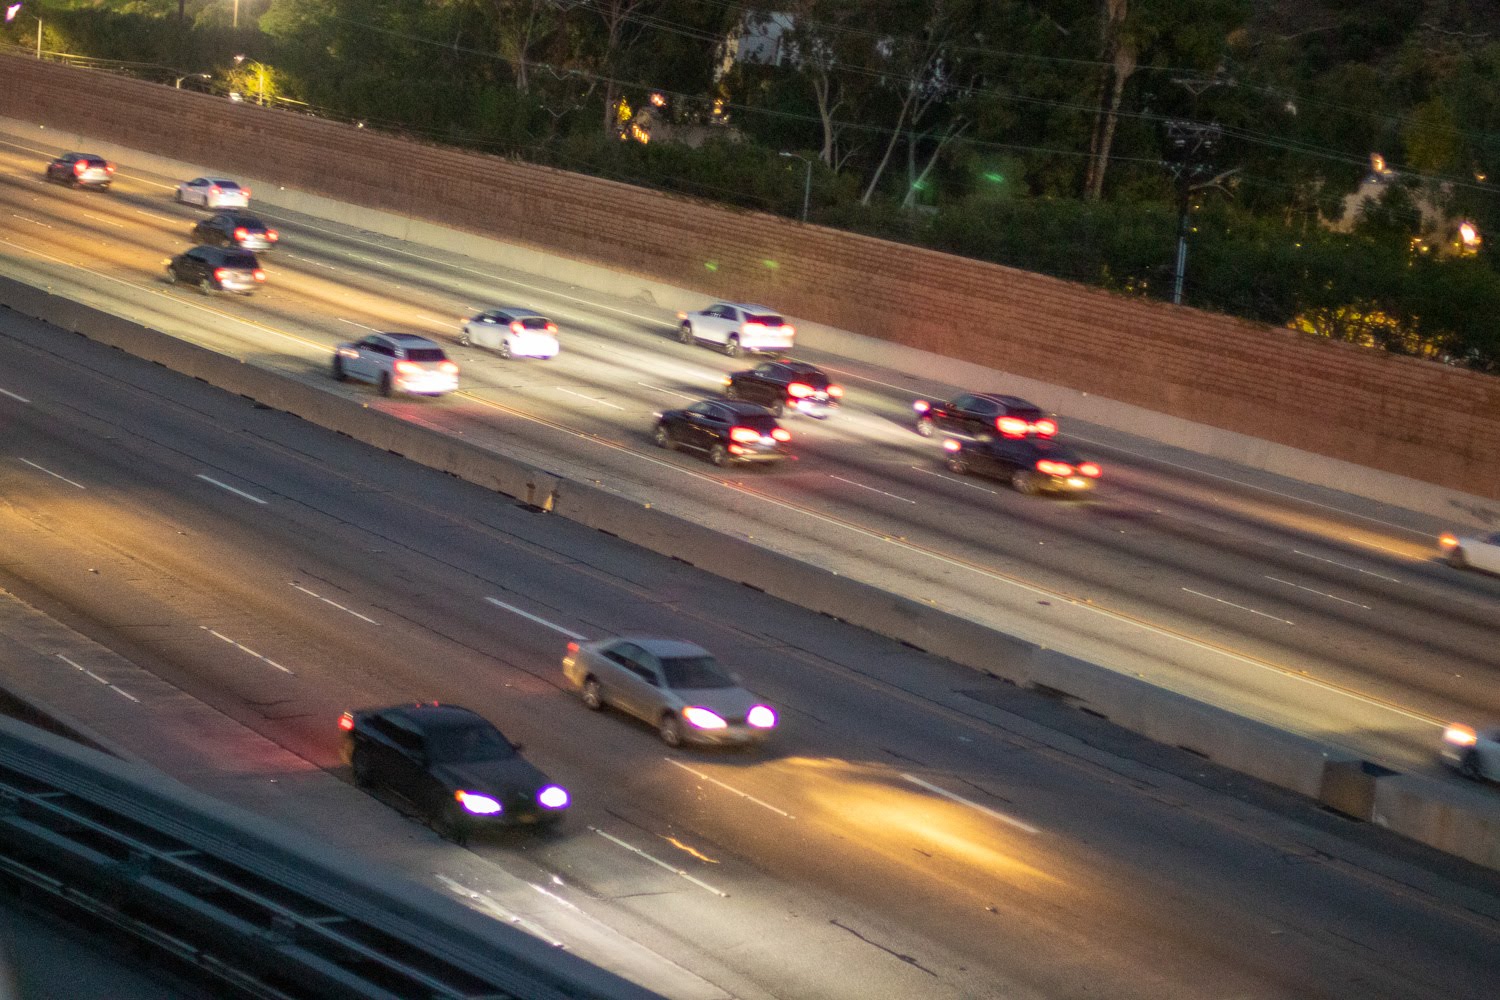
[911,831]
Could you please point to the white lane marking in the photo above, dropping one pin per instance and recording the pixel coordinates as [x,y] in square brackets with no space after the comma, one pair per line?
[107,222]
[247,649]
[360,325]
[1318,592]
[336,604]
[155,215]
[993,813]
[7,392]
[226,486]
[54,475]
[429,319]
[480,899]
[540,621]
[1385,548]
[591,399]
[1231,604]
[34,222]
[870,488]
[954,479]
[1333,562]
[670,392]
[729,788]
[660,863]
[113,687]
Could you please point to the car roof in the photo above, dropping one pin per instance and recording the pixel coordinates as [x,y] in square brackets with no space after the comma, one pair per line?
[430,715]
[517,311]
[1010,402]
[796,366]
[224,180]
[666,648]
[743,409]
[410,339]
[751,307]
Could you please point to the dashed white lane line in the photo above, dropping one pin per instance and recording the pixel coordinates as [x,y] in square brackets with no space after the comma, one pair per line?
[155,215]
[247,649]
[1332,562]
[730,788]
[540,621]
[34,222]
[953,479]
[107,222]
[360,325]
[101,680]
[485,902]
[591,399]
[41,468]
[871,489]
[1220,600]
[669,392]
[1320,593]
[20,399]
[336,604]
[992,813]
[660,863]
[231,489]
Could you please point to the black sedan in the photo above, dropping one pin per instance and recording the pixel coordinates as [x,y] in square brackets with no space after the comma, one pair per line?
[728,433]
[236,229]
[980,416]
[1031,465]
[779,385]
[452,765]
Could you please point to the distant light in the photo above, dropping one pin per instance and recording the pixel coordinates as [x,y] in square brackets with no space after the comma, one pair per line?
[658,98]
[11,12]
[771,264]
[711,265]
[1378,164]
[994,177]
[1469,234]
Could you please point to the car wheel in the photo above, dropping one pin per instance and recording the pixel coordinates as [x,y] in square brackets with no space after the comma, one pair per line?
[592,695]
[1457,559]
[1024,481]
[719,456]
[205,286]
[359,763]
[685,333]
[670,730]
[504,349]
[386,389]
[732,347]
[925,427]
[339,374]
[663,437]
[452,824]
[958,466]
[463,338]
[178,195]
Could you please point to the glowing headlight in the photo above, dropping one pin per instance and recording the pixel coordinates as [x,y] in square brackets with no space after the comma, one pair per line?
[553,797]
[703,718]
[476,803]
[761,717]
[1460,735]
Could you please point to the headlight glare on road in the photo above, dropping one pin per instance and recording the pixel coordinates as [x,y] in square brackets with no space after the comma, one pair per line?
[761,717]
[702,718]
[482,805]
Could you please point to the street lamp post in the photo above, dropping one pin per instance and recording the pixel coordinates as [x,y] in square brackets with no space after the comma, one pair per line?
[806,180]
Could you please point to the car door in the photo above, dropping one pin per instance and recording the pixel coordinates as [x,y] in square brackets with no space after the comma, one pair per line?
[364,365]
[692,431]
[640,691]
[1000,458]
[765,385]
[195,191]
[388,748]
[717,321]
[192,267]
[488,331]
[617,674]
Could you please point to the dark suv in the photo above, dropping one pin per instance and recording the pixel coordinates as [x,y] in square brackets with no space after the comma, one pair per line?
[979,416]
[214,269]
[777,385]
[81,170]
[726,432]
[236,229]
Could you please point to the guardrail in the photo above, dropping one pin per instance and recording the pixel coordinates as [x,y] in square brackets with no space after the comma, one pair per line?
[243,902]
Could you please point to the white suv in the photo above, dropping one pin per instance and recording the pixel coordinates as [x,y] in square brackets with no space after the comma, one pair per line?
[397,362]
[737,328]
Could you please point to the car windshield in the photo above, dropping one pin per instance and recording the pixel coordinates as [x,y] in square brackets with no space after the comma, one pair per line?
[767,319]
[694,673]
[425,354]
[460,743]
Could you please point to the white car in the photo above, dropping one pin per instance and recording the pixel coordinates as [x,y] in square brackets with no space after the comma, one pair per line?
[514,333]
[736,327]
[1470,753]
[213,192]
[397,362]
[1472,551]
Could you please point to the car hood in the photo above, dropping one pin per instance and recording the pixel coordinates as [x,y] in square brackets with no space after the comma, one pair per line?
[729,703]
[497,777]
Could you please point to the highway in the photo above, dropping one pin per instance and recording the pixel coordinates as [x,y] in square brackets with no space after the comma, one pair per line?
[916,830]
[1312,610]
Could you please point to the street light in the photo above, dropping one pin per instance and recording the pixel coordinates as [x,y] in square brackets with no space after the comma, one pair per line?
[10,15]
[806,179]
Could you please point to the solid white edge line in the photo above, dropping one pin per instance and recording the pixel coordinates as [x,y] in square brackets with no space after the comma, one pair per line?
[7,392]
[660,863]
[540,621]
[729,788]
[872,489]
[994,813]
[41,468]
[231,489]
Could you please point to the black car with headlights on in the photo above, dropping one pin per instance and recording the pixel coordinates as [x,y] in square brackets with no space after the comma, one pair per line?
[236,229]
[980,416]
[785,384]
[728,433]
[452,765]
[1031,465]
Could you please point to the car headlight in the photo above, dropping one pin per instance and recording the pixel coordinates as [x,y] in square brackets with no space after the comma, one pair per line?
[1460,735]
[761,717]
[703,718]
[553,797]
[482,805]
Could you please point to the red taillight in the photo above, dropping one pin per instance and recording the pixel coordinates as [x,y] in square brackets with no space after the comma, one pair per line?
[219,273]
[1051,468]
[245,192]
[788,329]
[551,327]
[109,168]
[258,274]
[79,166]
[743,434]
[346,721]
[448,367]
[214,189]
[951,445]
[1045,427]
[1012,427]
[799,390]
[921,406]
[272,235]
[408,368]
[1089,469]
[572,647]
[781,434]
[754,326]
[241,234]
[837,392]
[517,327]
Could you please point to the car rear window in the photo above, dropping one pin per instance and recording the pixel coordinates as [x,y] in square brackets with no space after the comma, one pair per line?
[425,354]
[94,161]
[694,673]
[764,423]
[768,319]
[459,743]
[534,322]
[241,260]
[228,185]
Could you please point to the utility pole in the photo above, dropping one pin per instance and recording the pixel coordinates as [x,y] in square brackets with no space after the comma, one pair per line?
[1191,147]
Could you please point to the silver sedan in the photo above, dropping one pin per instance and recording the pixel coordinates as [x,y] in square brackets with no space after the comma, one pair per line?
[675,686]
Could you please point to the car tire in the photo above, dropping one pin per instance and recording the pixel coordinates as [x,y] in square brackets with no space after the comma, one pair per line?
[663,438]
[732,346]
[719,455]
[205,286]
[386,389]
[670,730]
[463,338]
[957,466]
[925,427]
[359,766]
[504,349]
[1457,559]
[1469,766]
[1023,481]
[685,334]
[178,195]
[451,823]
[339,375]
[592,695]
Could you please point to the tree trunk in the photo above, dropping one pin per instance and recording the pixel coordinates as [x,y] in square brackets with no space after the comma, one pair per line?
[1111,87]
[1124,66]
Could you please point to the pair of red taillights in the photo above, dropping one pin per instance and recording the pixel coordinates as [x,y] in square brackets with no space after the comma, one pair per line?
[748,434]
[241,234]
[220,273]
[80,167]
[1063,469]
[412,368]
[801,390]
[1015,427]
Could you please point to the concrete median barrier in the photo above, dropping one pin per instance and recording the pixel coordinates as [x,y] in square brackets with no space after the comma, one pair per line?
[1459,820]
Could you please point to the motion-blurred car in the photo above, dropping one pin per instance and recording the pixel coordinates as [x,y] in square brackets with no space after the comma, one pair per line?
[513,333]
[779,385]
[736,328]
[1472,551]
[213,192]
[236,229]
[1030,465]
[452,765]
[82,170]
[397,362]
[982,415]
[1472,753]
[215,269]
[728,433]
[674,685]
